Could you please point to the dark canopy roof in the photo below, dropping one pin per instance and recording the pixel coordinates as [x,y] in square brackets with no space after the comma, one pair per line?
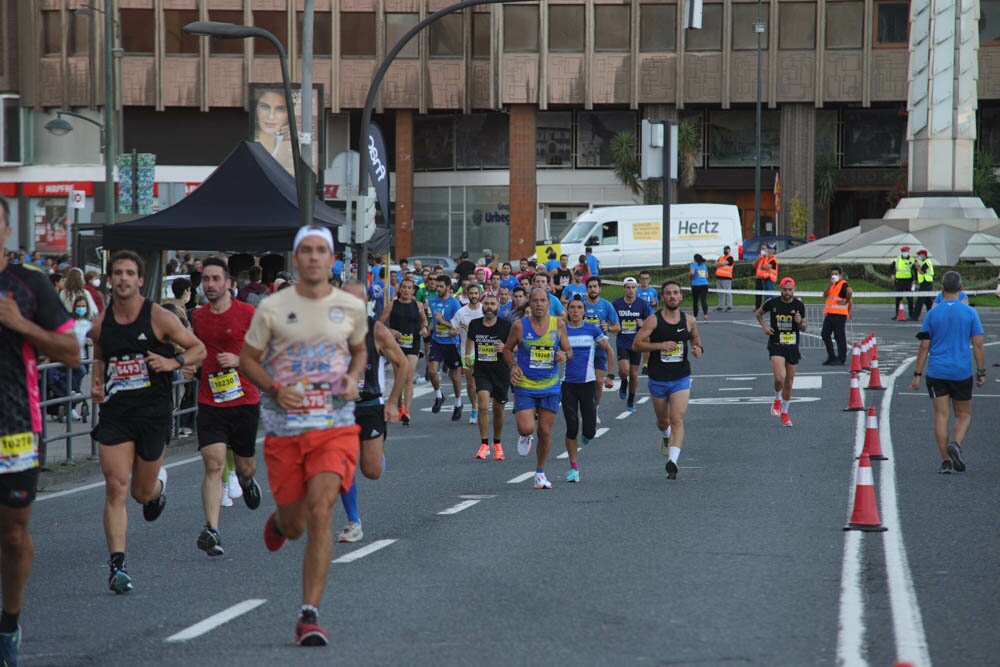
[248,204]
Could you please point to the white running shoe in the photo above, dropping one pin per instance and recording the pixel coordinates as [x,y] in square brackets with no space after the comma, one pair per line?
[524,444]
[352,532]
[234,490]
[541,482]
[226,500]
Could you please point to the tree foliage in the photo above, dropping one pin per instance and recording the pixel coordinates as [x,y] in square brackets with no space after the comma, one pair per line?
[984,179]
[625,162]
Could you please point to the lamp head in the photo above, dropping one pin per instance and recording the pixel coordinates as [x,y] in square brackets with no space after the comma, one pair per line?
[58,127]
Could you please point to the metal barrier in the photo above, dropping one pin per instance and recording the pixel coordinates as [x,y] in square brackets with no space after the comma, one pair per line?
[814,320]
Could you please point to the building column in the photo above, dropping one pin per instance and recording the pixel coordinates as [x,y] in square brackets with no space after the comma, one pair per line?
[404,183]
[797,162]
[523,182]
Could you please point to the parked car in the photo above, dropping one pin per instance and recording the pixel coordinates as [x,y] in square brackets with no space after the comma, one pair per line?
[751,247]
[447,263]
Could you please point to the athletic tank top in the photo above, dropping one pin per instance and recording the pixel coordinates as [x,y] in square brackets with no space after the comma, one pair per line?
[373,379]
[405,318]
[667,366]
[536,357]
[131,388]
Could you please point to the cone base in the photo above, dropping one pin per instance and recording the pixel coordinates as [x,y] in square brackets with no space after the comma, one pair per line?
[861,409]
[874,457]
[875,388]
[879,528]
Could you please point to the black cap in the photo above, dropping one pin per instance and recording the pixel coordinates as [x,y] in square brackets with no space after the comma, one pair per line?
[465,254]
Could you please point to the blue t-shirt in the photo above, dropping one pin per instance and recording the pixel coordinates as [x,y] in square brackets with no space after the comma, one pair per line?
[647,294]
[601,311]
[583,339]
[555,305]
[376,294]
[510,282]
[631,317]
[446,308]
[593,263]
[551,265]
[700,276]
[949,326]
[338,267]
[504,309]
[572,289]
[962,296]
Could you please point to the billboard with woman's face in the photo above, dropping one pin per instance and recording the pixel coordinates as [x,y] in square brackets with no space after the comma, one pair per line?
[269,124]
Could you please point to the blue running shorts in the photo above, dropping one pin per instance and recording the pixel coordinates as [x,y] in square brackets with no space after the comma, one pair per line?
[659,389]
[527,400]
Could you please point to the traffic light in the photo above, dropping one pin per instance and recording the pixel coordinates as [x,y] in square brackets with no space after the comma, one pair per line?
[365,219]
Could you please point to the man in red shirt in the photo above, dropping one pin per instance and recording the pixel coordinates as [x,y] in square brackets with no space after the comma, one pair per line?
[228,403]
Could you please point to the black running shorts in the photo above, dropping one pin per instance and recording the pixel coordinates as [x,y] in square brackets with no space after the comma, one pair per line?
[496,382]
[790,353]
[371,419]
[235,426]
[150,434]
[17,489]
[634,358]
[957,390]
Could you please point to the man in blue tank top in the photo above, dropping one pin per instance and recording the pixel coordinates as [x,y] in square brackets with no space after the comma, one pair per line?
[601,313]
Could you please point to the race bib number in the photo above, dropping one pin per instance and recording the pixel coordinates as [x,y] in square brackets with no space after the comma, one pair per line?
[674,356]
[629,326]
[225,385]
[18,451]
[564,280]
[316,410]
[541,358]
[596,321]
[442,329]
[127,374]
[787,338]
[702,273]
[406,340]
[486,352]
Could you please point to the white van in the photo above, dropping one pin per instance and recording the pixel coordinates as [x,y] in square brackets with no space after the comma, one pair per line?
[625,237]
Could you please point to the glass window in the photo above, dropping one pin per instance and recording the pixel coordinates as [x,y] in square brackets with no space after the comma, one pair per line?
[612,27]
[138,29]
[357,34]
[275,23]
[989,21]
[449,220]
[844,24]
[433,143]
[178,41]
[431,222]
[487,218]
[554,139]
[481,35]
[228,47]
[709,38]
[892,23]
[826,132]
[989,130]
[79,34]
[322,37]
[874,138]
[595,130]
[520,29]
[10,108]
[609,233]
[52,32]
[732,138]
[397,25]
[657,28]
[444,37]
[744,17]
[566,28]
[481,141]
[797,25]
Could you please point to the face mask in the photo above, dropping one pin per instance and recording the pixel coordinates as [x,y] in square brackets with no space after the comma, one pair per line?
[96,282]
[906,255]
[81,312]
[834,277]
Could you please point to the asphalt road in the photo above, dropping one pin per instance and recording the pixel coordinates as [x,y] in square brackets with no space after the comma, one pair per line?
[741,560]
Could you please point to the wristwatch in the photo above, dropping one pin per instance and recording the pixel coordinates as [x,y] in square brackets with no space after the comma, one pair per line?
[179,358]
[981,373]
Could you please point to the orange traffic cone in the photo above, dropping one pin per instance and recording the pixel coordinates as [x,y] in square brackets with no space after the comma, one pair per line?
[874,350]
[855,402]
[901,313]
[865,515]
[875,378]
[873,441]
[856,359]
[866,359]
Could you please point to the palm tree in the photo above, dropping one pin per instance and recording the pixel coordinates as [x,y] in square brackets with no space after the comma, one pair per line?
[688,152]
[625,162]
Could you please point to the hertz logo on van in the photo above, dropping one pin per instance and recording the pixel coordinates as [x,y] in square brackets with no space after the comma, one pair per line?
[692,228]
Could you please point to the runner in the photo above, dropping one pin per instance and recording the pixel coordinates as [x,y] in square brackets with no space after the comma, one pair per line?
[372,411]
[647,293]
[575,287]
[579,384]
[32,323]
[672,334]
[443,347]
[407,323]
[543,281]
[632,312]
[460,322]
[540,343]
[228,403]
[134,354]
[601,313]
[484,354]
[306,350]
[788,320]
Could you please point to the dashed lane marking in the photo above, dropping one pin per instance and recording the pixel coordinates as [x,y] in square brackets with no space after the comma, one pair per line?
[521,478]
[214,621]
[464,505]
[363,551]
[642,400]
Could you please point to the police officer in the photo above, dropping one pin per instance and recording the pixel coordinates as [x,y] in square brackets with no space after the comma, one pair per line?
[902,268]
[924,270]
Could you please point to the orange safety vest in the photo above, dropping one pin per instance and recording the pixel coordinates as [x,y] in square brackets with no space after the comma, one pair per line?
[760,266]
[772,273]
[724,269]
[834,304]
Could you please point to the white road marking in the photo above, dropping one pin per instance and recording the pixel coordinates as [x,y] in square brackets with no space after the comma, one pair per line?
[477,497]
[601,431]
[742,378]
[807,382]
[464,505]
[521,478]
[363,551]
[735,388]
[97,485]
[642,400]
[623,415]
[214,621]
[748,400]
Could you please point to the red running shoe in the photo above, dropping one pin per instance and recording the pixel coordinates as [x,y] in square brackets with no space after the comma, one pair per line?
[273,539]
[308,632]
[776,408]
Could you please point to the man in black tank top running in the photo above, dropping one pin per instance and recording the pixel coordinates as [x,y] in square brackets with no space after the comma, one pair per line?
[670,336]
[407,322]
[788,320]
[134,355]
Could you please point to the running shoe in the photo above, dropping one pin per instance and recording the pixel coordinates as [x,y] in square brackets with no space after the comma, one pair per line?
[308,632]
[456,414]
[152,510]
[598,419]
[484,452]
[572,475]
[210,541]
[622,391]
[251,494]
[541,482]
[273,539]
[524,444]
[945,468]
[226,500]
[399,412]
[785,420]
[718,309]
[630,406]
[404,418]
[438,402]
[644,371]
[473,418]
[10,645]
[119,581]
[776,408]
[729,309]
[234,490]
[584,440]
[671,470]
[352,532]
[498,452]
[955,454]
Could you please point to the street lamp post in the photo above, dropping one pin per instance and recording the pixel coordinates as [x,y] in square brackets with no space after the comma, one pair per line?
[758,27]
[304,177]
[61,128]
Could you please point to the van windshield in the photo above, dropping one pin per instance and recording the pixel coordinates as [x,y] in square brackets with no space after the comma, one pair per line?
[579,232]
